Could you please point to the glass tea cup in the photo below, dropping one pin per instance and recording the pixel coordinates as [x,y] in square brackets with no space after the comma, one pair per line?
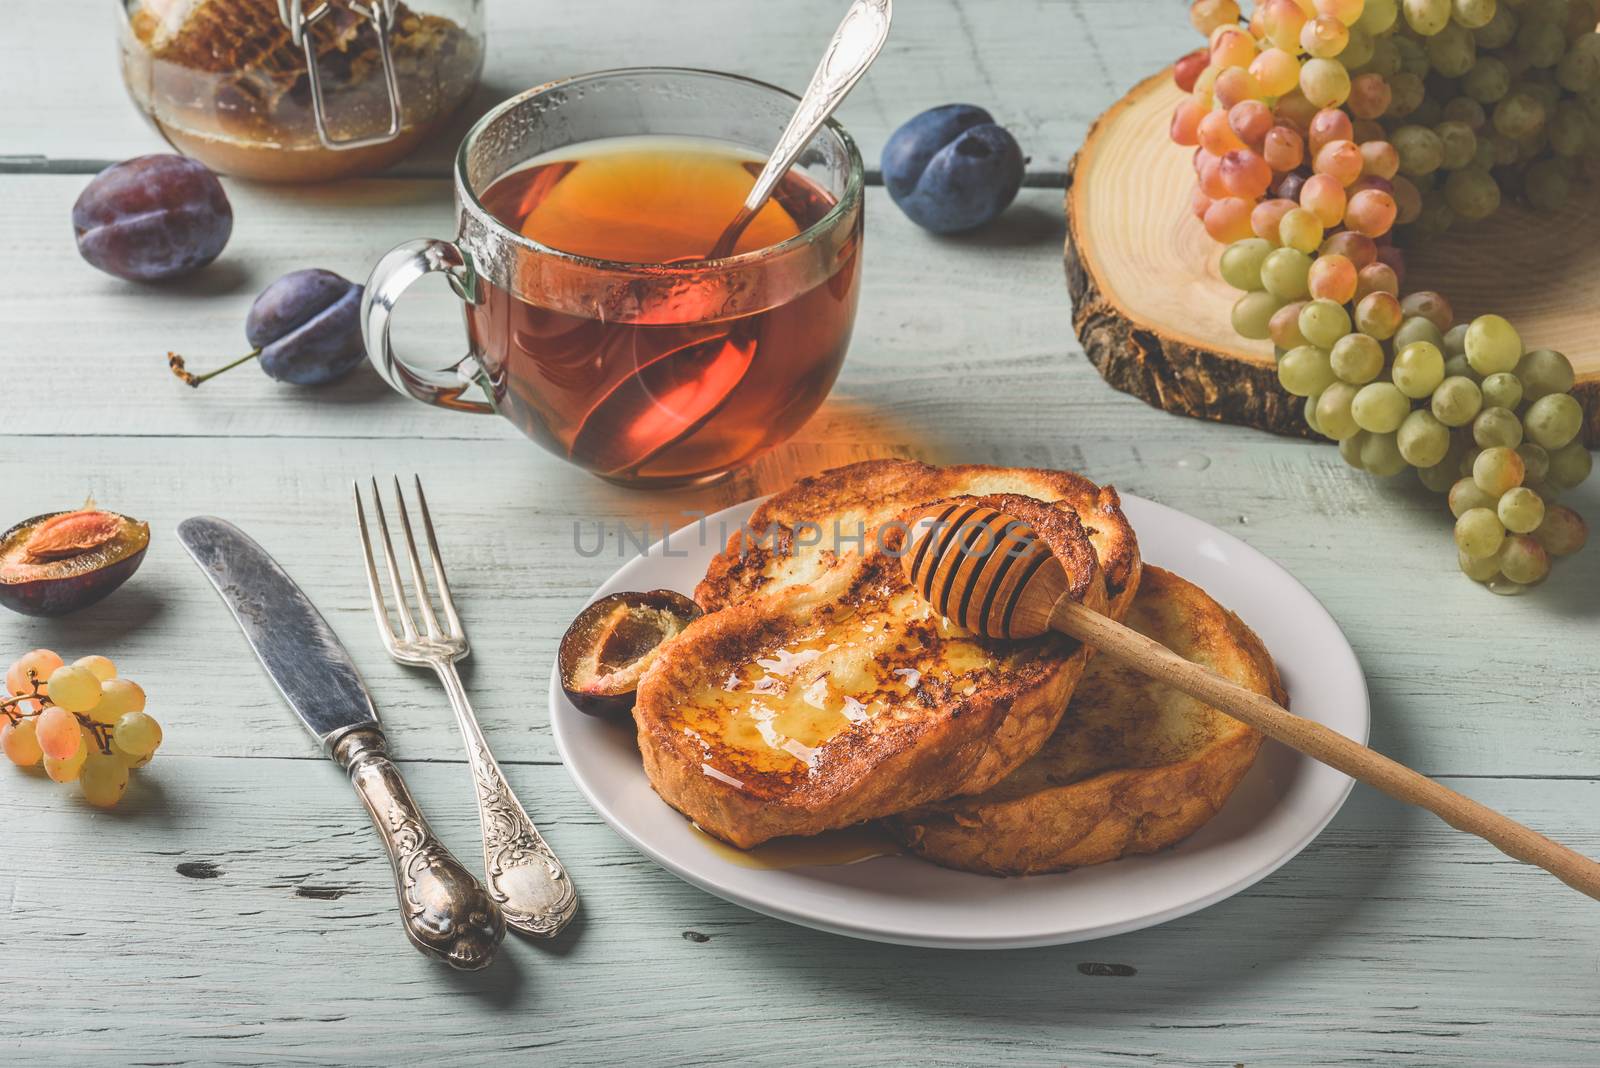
[644,373]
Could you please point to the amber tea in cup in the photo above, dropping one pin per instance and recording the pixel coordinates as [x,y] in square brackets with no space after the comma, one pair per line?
[595,323]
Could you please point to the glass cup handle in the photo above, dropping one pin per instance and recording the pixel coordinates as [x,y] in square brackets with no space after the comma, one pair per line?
[400,267]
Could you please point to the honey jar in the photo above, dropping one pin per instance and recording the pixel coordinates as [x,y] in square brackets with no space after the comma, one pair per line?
[299,90]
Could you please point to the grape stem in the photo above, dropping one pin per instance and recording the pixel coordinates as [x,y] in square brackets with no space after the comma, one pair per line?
[10,708]
[192,380]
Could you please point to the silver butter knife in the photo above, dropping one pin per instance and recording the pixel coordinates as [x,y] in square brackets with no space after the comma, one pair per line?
[445,910]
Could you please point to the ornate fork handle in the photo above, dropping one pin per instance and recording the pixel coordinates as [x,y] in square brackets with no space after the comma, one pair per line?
[531,886]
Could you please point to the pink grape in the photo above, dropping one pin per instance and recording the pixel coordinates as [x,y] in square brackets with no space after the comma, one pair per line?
[41,662]
[1228,219]
[1235,85]
[58,732]
[1283,149]
[1379,159]
[1282,20]
[1289,185]
[1378,313]
[1359,249]
[1199,202]
[1378,278]
[1370,181]
[1293,109]
[1188,67]
[1200,158]
[1211,182]
[1339,159]
[1431,306]
[1370,212]
[1332,277]
[1364,130]
[1245,174]
[1323,196]
[1207,15]
[1232,48]
[1395,258]
[1407,200]
[1369,96]
[1185,128]
[1265,217]
[1284,326]
[1215,135]
[1250,120]
[1329,124]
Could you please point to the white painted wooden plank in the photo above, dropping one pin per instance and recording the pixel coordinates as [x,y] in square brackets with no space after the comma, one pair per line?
[1392,940]
[1462,681]
[1045,68]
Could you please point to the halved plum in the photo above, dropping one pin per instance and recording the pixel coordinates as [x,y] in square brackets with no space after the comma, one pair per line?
[58,563]
[605,652]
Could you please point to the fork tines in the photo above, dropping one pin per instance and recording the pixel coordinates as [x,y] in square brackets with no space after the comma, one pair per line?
[449,640]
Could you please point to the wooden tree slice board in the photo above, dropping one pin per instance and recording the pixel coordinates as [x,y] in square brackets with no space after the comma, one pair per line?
[1152,313]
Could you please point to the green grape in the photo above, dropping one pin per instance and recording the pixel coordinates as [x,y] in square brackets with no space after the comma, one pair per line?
[1418,369]
[1543,372]
[1519,114]
[1452,50]
[66,769]
[137,734]
[1427,17]
[1421,150]
[1324,82]
[1569,130]
[1357,359]
[1458,367]
[1478,570]
[1456,401]
[1455,340]
[1380,455]
[1473,14]
[1563,531]
[1285,273]
[1350,449]
[1552,421]
[1493,345]
[99,666]
[1252,314]
[1496,470]
[1407,91]
[1522,559]
[1472,193]
[1241,263]
[1301,230]
[1430,111]
[1413,60]
[1305,371]
[1502,390]
[1467,110]
[1334,418]
[1579,69]
[1499,31]
[1521,510]
[1460,144]
[1358,49]
[1422,439]
[1465,496]
[1569,466]
[1535,463]
[104,780]
[1497,427]
[1441,476]
[1546,185]
[1437,216]
[1541,44]
[1479,533]
[74,688]
[1385,61]
[1378,15]
[1324,322]
[1309,411]
[1417,328]
[117,698]
[1380,408]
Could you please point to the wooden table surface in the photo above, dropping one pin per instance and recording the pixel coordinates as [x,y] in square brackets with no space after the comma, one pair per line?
[236,908]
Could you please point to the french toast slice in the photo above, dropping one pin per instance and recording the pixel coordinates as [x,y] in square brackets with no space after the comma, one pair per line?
[820,691]
[1134,765]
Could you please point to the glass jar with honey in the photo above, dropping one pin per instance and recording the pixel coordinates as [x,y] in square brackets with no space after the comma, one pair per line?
[299,90]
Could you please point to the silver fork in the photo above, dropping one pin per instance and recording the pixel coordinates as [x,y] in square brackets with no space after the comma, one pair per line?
[522,873]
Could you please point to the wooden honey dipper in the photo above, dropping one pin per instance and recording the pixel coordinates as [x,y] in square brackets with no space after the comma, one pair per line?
[992,574]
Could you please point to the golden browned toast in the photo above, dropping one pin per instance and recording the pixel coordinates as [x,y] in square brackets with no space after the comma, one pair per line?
[820,691]
[1134,765]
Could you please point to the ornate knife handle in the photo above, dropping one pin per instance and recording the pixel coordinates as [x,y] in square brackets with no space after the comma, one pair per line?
[446,912]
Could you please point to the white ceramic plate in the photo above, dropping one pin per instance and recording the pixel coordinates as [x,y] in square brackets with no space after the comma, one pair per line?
[1281,805]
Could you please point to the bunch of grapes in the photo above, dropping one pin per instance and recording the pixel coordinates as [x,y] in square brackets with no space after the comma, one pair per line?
[83,722]
[1321,129]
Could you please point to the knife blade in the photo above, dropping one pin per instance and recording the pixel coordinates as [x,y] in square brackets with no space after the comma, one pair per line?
[445,911]
[303,656]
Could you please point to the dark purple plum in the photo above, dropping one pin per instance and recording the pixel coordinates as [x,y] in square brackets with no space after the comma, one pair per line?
[305,329]
[952,168]
[152,217]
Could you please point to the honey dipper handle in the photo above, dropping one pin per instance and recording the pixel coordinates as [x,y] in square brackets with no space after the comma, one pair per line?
[1327,745]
